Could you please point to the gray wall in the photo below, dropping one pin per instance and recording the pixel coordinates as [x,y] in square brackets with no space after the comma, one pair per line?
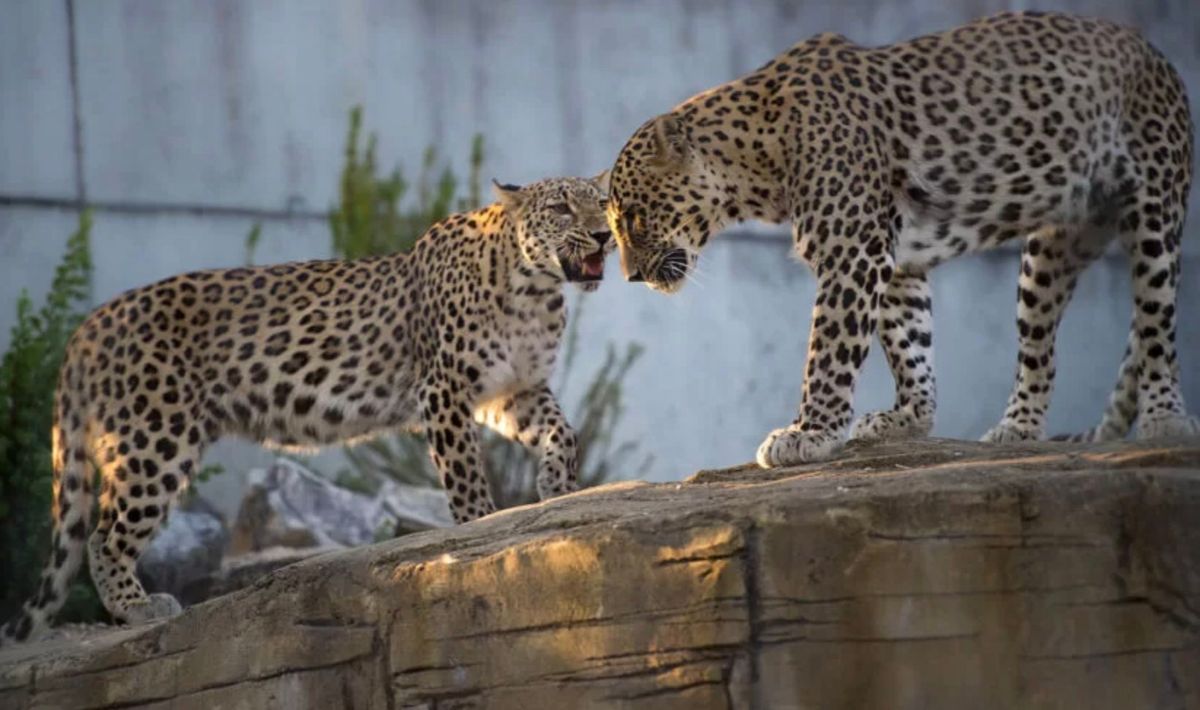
[185,122]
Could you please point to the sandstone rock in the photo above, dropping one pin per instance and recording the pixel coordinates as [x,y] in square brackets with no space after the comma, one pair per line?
[288,506]
[186,552]
[930,575]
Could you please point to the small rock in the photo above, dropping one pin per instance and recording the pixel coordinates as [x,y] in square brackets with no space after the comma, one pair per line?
[415,508]
[289,506]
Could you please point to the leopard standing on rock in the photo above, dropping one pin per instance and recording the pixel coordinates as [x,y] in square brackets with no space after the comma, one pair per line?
[1056,130]
[463,329]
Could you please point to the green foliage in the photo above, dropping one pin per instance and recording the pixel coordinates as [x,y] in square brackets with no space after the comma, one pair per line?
[368,218]
[374,217]
[204,475]
[28,377]
[252,240]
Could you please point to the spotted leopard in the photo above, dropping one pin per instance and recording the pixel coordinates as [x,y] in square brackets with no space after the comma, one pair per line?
[1056,131]
[461,330]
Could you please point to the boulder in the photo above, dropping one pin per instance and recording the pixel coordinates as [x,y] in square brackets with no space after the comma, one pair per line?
[288,506]
[414,508]
[185,553]
[931,575]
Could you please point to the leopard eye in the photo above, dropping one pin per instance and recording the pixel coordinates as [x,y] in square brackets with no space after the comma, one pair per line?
[560,208]
[634,225]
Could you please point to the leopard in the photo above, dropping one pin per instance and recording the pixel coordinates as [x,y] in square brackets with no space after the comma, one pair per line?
[459,332]
[1056,132]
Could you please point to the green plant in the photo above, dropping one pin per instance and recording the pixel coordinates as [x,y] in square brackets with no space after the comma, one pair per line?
[28,377]
[373,218]
[368,219]
[252,239]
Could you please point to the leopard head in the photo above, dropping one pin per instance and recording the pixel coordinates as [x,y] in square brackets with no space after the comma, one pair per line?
[561,226]
[664,204]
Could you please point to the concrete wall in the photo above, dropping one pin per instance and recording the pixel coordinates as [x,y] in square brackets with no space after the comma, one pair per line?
[183,123]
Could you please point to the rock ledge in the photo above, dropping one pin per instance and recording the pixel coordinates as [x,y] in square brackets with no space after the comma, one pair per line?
[928,574]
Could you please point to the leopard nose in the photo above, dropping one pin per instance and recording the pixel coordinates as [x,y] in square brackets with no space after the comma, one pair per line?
[602,237]
[635,276]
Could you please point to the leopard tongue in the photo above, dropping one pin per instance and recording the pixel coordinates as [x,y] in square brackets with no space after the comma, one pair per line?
[593,265]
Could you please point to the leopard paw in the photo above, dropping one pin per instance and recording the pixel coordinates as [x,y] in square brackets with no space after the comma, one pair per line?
[152,608]
[890,425]
[1009,432]
[790,446]
[553,487]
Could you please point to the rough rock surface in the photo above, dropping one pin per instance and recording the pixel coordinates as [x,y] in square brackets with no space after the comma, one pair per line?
[923,575]
[243,570]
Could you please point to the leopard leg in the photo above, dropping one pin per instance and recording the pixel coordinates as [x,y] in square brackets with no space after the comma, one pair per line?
[454,448]
[137,490]
[850,285]
[1051,261]
[1155,259]
[1151,228]
[906,334]
[534,418]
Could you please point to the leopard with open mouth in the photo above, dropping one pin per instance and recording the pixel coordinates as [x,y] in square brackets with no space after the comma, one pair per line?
[461,331]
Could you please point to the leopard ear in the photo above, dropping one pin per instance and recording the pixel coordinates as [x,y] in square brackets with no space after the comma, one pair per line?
[601,182]
[512,197]
[670,141]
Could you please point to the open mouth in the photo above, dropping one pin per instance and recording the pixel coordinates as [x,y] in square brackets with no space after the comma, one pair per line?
[589,268]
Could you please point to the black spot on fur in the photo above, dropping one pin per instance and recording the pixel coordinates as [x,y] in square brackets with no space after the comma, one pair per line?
[301,405]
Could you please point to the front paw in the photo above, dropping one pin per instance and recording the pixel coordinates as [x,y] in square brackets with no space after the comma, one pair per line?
[554,485]
[790,446]
[892,424]
[1010,432]
[152,608]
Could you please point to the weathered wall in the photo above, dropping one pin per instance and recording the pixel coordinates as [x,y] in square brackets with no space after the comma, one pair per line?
[186,122]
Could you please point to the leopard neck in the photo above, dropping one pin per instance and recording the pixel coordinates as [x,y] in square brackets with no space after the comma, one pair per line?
[523,278]
[751,168]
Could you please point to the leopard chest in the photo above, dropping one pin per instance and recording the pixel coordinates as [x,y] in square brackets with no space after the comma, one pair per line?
[527,335]
[533,336]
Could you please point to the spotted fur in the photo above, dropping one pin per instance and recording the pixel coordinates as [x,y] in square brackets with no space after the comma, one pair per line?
[463,329]
[1057,131]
